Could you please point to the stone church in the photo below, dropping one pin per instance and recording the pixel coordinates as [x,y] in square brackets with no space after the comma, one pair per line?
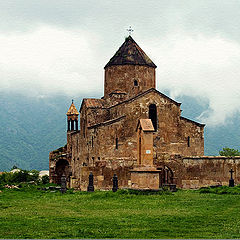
[106,141]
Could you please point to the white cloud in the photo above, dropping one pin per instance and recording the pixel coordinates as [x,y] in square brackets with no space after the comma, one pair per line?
[203,67]
[49,60]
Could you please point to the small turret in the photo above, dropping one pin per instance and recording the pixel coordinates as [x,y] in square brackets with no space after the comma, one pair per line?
[72,118]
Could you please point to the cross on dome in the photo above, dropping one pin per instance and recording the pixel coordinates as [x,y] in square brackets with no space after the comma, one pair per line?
[130,30]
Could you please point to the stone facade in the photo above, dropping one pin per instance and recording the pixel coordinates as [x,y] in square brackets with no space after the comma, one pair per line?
[106,143]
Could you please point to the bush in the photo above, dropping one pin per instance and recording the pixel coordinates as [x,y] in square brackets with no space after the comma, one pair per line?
[45,179]
[19,177]
[230,152]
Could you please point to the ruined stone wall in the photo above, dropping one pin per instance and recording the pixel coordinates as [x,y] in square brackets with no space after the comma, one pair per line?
[196,172]
[122,77]
[55,156]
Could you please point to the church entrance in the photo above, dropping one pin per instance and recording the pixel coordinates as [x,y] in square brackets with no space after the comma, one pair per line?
[62,167]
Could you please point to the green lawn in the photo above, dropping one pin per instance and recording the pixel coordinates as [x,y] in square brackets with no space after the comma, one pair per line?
[184,214]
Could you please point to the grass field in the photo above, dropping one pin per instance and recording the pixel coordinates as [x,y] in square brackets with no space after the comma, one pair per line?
[184,214]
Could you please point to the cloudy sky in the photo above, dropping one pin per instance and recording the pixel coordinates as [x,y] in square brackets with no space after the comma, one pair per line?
[60,47]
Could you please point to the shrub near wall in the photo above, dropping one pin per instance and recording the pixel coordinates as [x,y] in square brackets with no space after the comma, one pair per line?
[18,177]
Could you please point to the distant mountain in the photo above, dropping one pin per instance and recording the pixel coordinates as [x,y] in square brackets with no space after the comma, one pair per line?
[32,127]
[29,129]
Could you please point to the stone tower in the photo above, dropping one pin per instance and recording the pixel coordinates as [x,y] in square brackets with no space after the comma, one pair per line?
[129,72]
[72,118]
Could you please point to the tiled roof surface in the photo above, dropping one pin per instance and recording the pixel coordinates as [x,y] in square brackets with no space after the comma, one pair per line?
[72,110]
[130,54]
[94,103]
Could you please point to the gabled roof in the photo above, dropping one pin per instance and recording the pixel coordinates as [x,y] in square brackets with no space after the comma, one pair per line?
[72,110]
[117,92]
[146,125]
[130,54]
[194,122]
[93,103]
[144,93]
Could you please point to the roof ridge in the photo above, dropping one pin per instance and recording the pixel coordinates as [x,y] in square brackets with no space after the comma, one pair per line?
[143,93]
[193,121]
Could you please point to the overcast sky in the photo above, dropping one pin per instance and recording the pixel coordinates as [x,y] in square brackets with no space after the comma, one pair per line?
[60,47]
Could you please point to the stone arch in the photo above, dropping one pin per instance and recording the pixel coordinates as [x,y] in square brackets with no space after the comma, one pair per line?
[62,167]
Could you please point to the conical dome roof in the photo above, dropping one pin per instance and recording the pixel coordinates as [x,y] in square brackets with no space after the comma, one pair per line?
[130,54]
[72,110]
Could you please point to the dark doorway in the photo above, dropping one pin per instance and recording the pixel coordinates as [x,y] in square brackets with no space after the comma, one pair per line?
[62,167]
[166,176]
[153,115]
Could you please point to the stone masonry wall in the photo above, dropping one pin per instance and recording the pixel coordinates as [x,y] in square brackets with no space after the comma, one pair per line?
[196,172]
[112,144]
[122,77]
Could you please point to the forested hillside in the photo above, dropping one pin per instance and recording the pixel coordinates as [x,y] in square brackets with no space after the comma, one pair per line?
[31,127]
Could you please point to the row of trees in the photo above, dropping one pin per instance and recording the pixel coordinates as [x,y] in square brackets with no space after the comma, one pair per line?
[22,176]
[229,152]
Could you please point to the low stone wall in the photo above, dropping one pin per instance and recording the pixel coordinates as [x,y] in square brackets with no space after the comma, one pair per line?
[205,171]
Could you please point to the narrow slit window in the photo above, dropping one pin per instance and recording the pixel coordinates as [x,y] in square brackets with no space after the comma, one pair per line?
[116,143]
[84,129]
[153,115]
[92,141]
[135,83]
[188,141]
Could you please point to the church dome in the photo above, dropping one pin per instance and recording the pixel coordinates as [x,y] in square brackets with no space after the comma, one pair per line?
[130,54]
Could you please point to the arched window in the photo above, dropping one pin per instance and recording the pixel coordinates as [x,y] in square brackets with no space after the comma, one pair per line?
[135,83]
[153,115]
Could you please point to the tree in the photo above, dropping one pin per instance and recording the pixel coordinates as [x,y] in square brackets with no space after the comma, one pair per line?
[14,167]
[45,179]
[229,152]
